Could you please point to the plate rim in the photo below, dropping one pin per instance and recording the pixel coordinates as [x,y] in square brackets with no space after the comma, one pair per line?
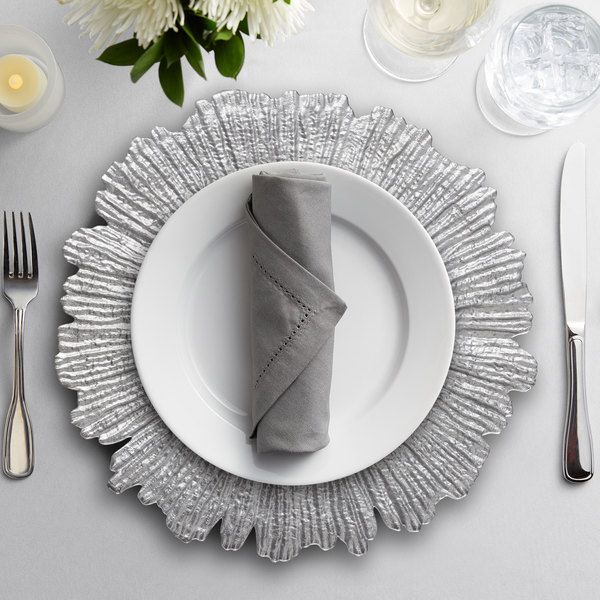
[449,309]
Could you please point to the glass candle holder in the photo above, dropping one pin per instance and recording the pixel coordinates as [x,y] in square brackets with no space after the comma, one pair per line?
[21,41]
[418,40]
[542,70]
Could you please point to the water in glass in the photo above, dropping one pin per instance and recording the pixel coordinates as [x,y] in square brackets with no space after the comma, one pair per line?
[543,69]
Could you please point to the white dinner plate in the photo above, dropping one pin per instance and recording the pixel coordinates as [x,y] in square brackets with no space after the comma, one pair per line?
[191,340]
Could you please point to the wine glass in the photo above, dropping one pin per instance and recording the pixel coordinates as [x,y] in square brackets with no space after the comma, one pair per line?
[418,40]
[542,70]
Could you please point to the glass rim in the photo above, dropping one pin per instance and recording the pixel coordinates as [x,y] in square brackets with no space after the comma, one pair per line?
[546,7]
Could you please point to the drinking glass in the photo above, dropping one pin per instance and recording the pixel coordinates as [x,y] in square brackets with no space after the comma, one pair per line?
[541,71]
[418,40]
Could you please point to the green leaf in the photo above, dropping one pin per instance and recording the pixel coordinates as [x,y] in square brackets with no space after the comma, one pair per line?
[194,28]
[209,24]
[152,55]
[122,54]
[194,56]
[243,26]
[223,35]
[193,35]
[198,18]
[171,80]
[174,47]
[198,27]
[229,56]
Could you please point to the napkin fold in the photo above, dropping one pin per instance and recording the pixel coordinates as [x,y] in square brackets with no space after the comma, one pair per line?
[294,311]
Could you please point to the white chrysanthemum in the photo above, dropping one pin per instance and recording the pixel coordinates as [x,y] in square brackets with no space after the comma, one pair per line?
[106,20]
[266,18]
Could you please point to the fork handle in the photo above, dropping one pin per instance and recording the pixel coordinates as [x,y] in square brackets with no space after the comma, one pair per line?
[18,435]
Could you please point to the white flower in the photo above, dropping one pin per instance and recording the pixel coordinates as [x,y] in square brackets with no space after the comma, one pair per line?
[265,18]
[106,20]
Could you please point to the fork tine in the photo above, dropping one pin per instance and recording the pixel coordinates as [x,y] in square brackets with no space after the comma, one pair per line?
[15,248]
[5,252]
[34,259]
[24,258]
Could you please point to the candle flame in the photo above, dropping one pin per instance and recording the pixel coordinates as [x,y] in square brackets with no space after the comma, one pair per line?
[15,82]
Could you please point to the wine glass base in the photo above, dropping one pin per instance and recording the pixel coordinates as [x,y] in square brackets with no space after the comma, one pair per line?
[397,64]
[494,114]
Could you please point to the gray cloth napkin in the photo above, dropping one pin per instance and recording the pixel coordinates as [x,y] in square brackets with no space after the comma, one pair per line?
[294,311]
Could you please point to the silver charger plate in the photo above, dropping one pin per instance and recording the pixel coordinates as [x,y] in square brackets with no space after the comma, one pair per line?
[232,131]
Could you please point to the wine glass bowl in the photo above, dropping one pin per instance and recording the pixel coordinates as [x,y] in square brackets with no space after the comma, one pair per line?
[418,40]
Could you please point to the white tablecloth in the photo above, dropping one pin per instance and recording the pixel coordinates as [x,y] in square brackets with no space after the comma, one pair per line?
[521,533]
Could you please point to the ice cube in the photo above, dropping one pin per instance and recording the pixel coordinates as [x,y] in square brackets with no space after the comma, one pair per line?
[544,75]
[564,33]
[581,74]
[554,58]
[532,74]
[527,42]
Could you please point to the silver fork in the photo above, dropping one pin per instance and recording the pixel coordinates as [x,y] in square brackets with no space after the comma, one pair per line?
[20,287]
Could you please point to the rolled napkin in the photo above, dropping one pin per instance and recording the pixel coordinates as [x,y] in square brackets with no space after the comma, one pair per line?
[294,311]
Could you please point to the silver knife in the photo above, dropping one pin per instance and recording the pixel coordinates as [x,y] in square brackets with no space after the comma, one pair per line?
[578,462]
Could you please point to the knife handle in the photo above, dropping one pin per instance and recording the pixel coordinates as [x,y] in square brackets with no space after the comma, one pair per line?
[578,460]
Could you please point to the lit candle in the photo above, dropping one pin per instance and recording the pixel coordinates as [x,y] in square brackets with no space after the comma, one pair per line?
[22,82]
[31,83]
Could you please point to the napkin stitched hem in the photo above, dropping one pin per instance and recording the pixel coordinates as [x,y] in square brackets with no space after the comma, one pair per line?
[296,330]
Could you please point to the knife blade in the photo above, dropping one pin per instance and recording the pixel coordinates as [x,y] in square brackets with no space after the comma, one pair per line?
[577,447]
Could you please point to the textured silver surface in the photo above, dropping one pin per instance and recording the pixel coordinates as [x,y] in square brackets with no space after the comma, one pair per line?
[231,131]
